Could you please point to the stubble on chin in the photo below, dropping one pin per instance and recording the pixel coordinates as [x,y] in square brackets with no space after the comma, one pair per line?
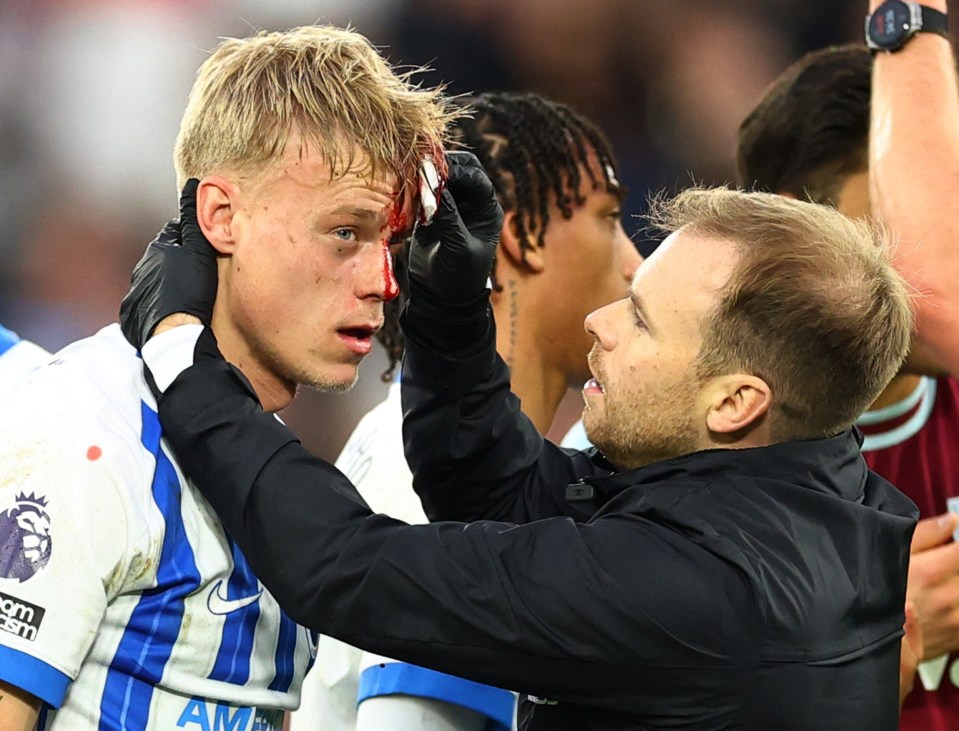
[317,374]
[649,433]
[326,384]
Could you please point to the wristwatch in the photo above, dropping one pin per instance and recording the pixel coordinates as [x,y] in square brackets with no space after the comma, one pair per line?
[896,21]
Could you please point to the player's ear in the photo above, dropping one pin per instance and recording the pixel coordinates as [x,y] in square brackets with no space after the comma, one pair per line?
[216,205]
[735,402]
[510,246]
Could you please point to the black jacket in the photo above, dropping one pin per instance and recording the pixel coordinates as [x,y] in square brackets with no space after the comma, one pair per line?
[756,589]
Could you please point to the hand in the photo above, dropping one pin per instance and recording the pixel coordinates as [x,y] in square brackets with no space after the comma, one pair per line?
[933,584]
[451,258]
[177,274]
[910,653]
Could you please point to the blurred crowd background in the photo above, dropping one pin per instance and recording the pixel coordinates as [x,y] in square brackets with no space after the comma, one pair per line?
[91,93]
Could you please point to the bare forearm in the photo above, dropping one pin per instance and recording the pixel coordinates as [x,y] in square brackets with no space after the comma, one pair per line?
[914,173]
[171,321]
[18,709]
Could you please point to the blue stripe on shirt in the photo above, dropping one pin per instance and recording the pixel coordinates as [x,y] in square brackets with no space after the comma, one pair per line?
[400,678]
[236,644]
[285,653]
[148,639]
[8,339]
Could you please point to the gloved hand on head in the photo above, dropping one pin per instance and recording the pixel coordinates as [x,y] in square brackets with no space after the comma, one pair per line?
[451,259]
[177,273]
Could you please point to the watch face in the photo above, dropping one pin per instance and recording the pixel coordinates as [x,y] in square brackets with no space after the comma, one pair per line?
[889,25]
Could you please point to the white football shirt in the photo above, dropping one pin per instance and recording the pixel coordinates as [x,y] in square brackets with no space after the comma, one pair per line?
[18,358]
[123,604]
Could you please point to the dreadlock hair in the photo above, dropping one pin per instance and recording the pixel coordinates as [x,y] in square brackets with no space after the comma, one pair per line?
[811,129]
[536,153]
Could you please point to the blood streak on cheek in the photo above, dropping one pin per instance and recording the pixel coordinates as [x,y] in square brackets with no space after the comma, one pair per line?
[396,222]
[390,287]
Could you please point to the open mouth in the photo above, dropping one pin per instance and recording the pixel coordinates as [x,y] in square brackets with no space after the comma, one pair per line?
[358,338]
[593,386]
[359,333]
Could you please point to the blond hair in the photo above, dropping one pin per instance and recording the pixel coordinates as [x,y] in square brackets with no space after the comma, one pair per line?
[328,85]
[813,306]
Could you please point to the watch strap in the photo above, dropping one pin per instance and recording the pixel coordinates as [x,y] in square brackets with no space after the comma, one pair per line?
[933,21]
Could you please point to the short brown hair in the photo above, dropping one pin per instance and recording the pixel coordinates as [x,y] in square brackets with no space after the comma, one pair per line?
[810,131]
[327,84]
[813,306]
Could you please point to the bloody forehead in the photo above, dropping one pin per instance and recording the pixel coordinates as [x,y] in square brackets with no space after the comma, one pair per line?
[399,220]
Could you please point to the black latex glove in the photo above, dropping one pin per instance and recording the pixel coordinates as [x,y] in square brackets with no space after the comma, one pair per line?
[176,274]
[451,259]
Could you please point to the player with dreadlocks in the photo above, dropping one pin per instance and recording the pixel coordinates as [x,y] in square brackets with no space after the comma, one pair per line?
[555,177]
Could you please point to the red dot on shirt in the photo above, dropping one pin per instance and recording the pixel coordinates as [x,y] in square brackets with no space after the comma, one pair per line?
[94,453]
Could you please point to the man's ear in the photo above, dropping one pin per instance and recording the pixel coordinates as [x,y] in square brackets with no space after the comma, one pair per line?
[509,245]
[734,403]
[216,205]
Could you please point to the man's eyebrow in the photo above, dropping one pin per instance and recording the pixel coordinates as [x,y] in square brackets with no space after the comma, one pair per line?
[356,212]
[617,191]
[612,196]
[640,307]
